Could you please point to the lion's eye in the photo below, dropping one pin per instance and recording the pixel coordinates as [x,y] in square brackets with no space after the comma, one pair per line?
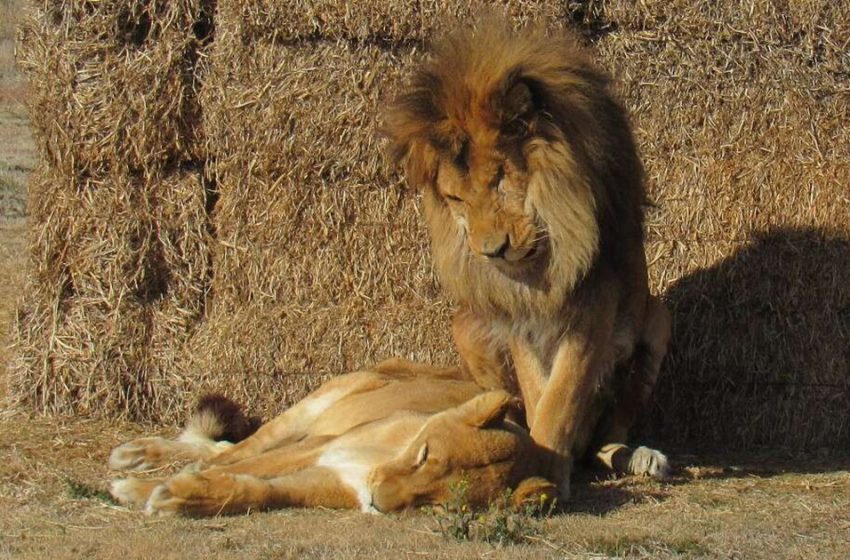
[461,159]
[454,198]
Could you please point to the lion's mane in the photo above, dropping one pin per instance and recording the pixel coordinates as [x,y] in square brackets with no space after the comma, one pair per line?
[585,178]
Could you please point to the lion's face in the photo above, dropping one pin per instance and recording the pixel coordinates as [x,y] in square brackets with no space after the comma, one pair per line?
[487,193]
[466,443]
[526,164]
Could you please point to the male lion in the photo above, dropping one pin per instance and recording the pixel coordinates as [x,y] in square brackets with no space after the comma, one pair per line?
[395,436]
[533,194]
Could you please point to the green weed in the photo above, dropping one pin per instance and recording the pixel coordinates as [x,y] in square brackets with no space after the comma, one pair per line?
[502,523]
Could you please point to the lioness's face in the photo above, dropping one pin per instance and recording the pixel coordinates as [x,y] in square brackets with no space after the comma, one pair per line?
[486,191]
[460,444]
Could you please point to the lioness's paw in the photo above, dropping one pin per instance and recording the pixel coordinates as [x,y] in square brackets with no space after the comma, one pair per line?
[162,502]
[138,455]
[535,491]
[648,461]
[133,491]
[192,493]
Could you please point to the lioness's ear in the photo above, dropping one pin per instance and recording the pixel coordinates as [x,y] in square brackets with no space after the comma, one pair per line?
[488,409]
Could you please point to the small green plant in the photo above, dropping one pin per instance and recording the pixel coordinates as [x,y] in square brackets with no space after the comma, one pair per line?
[502,523]
[82,491]
[455,518]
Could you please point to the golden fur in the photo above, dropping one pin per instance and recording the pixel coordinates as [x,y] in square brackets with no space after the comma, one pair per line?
[533,194]
[385,439]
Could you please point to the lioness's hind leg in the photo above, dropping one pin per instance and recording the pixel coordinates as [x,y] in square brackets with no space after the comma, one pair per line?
[294,424]
[622,459]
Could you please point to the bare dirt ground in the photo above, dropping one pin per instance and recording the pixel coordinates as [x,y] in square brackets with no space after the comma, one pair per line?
[53,474]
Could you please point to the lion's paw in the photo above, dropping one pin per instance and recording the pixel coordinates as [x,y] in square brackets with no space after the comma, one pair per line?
[650,462]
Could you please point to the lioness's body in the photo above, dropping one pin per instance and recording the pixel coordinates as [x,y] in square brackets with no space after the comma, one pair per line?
[392,437]
[533,194]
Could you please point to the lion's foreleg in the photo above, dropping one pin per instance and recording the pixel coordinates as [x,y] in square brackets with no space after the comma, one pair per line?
[634,396]
[580,367]
[655,337]
[531,376]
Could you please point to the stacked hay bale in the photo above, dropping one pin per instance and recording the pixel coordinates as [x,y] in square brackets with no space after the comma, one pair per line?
[120,236]
[741,115]
[232,224]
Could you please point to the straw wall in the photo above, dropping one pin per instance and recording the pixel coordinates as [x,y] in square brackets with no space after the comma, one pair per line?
[120,242]
[215,210]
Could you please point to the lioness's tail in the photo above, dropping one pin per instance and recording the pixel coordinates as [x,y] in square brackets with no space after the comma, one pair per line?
[217,418]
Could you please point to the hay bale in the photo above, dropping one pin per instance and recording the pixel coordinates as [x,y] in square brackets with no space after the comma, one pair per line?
[119,276]
[112,83]
[320,250]
[120,251]
[397,23]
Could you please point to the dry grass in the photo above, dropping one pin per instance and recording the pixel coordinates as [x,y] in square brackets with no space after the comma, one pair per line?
[777,510]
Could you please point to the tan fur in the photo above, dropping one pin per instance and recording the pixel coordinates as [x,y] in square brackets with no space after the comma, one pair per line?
[393,437]
[533,194]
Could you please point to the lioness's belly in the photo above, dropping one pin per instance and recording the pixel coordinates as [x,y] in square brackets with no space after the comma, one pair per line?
[425,395]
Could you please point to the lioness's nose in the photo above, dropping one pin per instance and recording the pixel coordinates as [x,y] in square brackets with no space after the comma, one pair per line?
[495,247]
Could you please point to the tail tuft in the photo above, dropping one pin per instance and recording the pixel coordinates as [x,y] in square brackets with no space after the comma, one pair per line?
[218,418]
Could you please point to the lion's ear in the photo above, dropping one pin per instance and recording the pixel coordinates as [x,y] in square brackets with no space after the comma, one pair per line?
[420,164]
[519,101]
[518,107]
[487,410]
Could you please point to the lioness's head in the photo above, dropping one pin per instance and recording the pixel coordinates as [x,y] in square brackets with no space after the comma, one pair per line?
[522,154]
[470,442]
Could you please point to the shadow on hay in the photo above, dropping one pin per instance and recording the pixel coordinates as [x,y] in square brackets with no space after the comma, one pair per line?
[760,356]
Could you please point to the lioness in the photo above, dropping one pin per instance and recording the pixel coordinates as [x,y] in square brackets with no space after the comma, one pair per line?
[533,194]
[380,440]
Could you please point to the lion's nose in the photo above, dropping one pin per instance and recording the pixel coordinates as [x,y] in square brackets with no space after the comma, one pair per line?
[496,248]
